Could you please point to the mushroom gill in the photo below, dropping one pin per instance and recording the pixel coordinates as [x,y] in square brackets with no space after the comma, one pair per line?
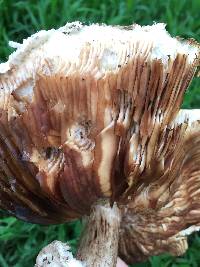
[90,113]
[160,216]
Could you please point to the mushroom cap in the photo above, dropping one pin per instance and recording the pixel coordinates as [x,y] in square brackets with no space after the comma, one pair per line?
[86,114]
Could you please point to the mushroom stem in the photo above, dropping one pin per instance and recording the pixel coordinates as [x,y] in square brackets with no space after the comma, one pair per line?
[99,242]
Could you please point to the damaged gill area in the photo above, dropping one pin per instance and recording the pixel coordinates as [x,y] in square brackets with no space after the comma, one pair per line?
[98,118]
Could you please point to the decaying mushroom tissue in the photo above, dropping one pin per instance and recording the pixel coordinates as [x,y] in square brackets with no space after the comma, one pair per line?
[91,126]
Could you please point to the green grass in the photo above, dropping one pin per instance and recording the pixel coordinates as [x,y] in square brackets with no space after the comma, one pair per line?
[20,242]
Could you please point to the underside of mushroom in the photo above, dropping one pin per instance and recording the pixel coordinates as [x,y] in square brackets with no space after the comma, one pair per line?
[163,213]
[91,115]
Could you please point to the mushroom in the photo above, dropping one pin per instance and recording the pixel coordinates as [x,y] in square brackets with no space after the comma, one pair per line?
[91,126]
